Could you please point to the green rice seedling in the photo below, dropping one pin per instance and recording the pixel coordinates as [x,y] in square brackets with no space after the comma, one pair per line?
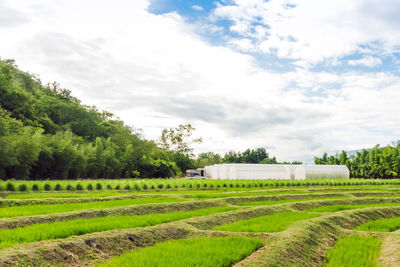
[35,187]
[137,187]
[47,187]
[10,187]
[269,223]
[272,202]
[22,187]
[29,210]
[354,251]
[199,252]
[381,225]
[66,195]
[65,229]
[57,187]
[335,208]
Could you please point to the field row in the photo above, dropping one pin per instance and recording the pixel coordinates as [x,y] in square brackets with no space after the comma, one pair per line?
[162,184]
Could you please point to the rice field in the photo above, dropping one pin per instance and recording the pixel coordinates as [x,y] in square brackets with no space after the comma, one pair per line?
[269,223]
[381,225]
[354,251]
[217,251]
[181,222]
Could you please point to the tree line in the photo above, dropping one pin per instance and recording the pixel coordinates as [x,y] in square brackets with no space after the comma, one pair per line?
[258,155]
[376,162]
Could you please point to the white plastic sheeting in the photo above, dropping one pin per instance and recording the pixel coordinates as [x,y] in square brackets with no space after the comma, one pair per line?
[322,171]
[292,170]
[259,171]
[208,171]
[275,171]
[248,171]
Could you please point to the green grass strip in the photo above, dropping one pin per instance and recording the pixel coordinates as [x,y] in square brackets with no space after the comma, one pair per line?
[29,210]
[354,251]
[55,230]
[272,202]
[269,223]
[66,195]
[335,208]
[381,225]
[199,252]
[238,194]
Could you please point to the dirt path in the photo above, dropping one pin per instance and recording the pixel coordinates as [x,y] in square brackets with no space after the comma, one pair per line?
[390,253]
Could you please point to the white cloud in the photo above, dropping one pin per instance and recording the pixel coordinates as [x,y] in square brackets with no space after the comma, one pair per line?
[154,72]
[366,61]
[198,8]
[311,30]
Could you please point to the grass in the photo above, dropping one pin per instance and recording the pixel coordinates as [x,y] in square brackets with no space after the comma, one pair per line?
[381,225]
[37,209]
[66,195]
[269,223]
[238,194]
[271,202]
[335,208]
[354,251]
[65,229]
[171,184]
[200,252]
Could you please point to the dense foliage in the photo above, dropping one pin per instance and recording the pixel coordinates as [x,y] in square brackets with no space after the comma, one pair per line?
[377,162]
[47,133]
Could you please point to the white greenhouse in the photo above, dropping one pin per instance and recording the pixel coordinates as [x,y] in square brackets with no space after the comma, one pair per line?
[275,171]
[322,171]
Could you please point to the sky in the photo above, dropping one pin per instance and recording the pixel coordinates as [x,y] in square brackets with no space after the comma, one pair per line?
[298,77]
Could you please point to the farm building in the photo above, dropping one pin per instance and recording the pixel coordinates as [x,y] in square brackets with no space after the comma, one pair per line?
[275,171]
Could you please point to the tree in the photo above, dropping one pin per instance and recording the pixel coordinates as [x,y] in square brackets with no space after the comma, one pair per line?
[178,139]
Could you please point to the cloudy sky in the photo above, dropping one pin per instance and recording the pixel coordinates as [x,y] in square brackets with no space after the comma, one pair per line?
[297,76]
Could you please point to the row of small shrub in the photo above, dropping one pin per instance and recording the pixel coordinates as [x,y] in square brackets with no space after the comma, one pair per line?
[176,184]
